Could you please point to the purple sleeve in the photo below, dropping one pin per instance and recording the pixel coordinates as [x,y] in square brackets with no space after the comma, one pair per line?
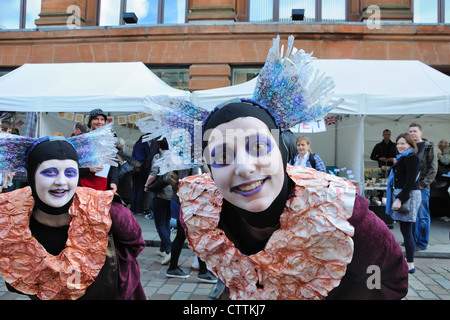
[378,269]
[129,243]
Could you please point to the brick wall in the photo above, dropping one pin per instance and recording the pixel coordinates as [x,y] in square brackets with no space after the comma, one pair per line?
[210,50]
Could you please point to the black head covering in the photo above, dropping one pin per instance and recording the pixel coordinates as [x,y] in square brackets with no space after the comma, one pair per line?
[270,216]
[48,148]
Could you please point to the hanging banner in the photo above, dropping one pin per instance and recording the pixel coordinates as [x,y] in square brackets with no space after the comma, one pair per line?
[305,128]
[79,117]
[310,127]
[318,126]
[121,120]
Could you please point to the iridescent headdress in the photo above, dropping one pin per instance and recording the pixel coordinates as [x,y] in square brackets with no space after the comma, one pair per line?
[94,149]
[288,87]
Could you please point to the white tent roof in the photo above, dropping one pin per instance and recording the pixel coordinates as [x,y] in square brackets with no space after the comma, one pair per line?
[368,86]
[372,87]
[81,87]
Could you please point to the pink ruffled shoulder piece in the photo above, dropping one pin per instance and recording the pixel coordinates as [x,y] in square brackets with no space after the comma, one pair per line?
[29,268]
[304,259]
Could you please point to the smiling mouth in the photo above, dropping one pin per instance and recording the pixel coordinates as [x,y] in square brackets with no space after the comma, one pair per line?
[248,189]
[58,193]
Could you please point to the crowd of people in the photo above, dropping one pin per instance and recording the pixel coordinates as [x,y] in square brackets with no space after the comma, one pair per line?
[131,188]
[415,169]
[417,173]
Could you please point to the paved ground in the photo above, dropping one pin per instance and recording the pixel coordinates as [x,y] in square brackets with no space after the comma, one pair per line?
[430,282]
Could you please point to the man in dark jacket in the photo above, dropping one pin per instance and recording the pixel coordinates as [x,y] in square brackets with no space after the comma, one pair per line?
[427,175]
[385,151]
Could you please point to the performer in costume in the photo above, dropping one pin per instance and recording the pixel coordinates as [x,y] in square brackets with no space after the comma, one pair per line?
[60,241]
[269,230]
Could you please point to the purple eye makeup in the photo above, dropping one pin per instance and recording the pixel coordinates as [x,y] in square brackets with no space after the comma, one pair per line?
[258,146]
[255,146]
[53,172]
[71,172]
[222,156]
[49,172]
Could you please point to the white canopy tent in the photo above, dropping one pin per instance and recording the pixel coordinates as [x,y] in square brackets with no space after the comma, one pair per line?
[379,94]
[118,88]
[81,87]
[369,87]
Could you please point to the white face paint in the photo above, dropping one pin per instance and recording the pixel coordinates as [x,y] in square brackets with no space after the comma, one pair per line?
[56,182]
[246,163]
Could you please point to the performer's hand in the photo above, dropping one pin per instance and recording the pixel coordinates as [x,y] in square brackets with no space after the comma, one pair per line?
[96,169]
[114,187]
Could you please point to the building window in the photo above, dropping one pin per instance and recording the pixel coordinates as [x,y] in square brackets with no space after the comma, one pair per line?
[281,10]
[431,11]
[243,74]
[175,77]
[110,12]
[334,10]
[175,11]
[147,11]
[260,11]
[447,11]
[425,11]
[19,14]
[286,7]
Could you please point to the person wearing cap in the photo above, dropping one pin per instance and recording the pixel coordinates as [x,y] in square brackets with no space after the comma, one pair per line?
[92,177]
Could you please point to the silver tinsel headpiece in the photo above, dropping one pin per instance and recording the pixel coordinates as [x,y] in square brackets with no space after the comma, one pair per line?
[94,149]
[288,86]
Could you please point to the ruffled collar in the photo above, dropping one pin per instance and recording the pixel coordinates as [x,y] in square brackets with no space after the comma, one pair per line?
[30,269]
[304,259]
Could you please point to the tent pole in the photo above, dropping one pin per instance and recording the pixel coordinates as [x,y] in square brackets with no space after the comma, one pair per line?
[362,166]
[38,132]
[335,142]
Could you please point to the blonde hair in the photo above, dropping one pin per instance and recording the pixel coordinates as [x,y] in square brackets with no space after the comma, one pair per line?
[305,139]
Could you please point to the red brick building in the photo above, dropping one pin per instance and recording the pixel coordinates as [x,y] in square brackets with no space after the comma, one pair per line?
[223,42]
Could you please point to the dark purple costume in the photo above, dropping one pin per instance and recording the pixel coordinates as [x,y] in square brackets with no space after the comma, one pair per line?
[127,235]
[374,245]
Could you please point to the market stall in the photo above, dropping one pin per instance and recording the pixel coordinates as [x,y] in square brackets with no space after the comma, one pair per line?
[75,88]
[378,94]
